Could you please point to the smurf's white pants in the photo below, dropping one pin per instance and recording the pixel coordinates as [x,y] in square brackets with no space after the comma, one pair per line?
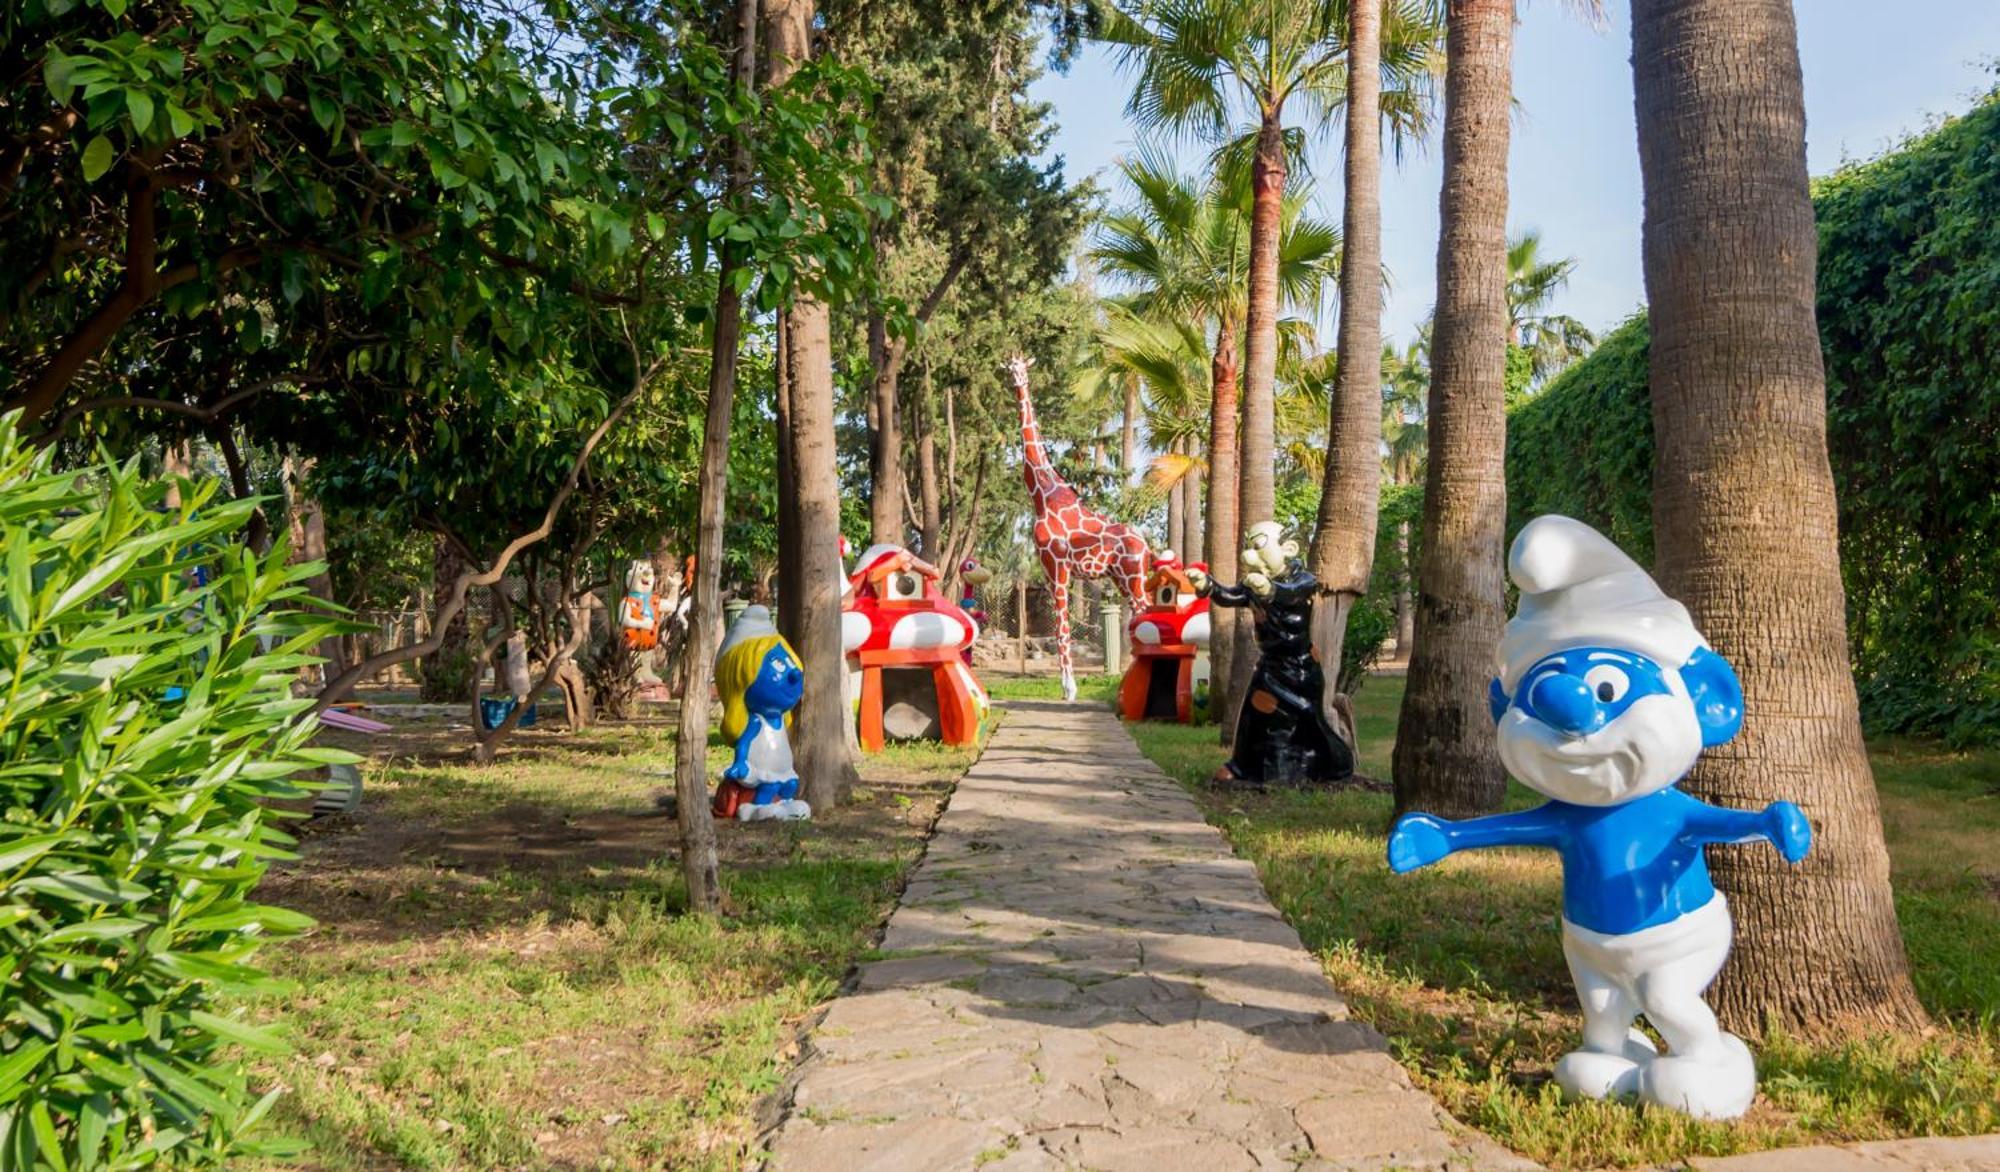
[1661,972]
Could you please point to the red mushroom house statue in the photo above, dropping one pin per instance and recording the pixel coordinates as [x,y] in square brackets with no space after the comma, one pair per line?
[903,637]
[1166,638]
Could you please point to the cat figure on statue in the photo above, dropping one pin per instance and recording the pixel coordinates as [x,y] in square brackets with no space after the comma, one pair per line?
[1606,696]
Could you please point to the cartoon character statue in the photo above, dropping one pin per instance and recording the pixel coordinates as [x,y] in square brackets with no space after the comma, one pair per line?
[1167,639]
[972,576]
[638,618]
[1606,696]
[759,680]
[1282,736]
[902,640]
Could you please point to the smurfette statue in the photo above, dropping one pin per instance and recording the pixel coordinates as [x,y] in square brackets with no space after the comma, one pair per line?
[1606,695]
[760,681]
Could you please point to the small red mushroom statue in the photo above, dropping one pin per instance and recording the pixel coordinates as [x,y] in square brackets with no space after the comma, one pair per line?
[1165,637]
[904,637]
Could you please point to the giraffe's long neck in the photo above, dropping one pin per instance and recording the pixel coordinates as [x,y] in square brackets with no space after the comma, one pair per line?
[1042,479]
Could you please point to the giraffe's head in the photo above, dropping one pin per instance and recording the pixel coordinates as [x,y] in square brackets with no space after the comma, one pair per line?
[1017,366]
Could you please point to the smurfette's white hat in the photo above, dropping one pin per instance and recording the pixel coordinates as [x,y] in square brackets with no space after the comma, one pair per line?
[1578,589]
[755,622]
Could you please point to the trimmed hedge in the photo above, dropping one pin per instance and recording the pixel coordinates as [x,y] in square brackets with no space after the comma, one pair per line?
[1909,314]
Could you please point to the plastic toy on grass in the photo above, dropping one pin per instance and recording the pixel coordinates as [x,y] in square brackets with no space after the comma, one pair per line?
[1167,637]
[760,681]
[1606,696]
[903,638]
[1282,736]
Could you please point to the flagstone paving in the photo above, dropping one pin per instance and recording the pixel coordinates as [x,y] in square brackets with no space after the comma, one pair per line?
[1082,975]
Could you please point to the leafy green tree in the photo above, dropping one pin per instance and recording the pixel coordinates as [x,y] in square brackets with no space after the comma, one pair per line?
[146,731]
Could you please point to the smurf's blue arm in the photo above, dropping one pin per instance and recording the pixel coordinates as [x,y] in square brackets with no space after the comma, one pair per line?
[1419,840]
[1781,824]
[739,768]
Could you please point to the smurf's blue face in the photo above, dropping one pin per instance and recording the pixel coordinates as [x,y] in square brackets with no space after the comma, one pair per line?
[1582,689]
[779,683]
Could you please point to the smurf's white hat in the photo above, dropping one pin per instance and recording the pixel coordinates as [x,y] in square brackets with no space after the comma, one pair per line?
[1577,590]
[754,623]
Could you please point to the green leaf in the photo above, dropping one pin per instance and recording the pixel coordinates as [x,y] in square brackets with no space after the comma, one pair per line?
[97,158]
[18,1065]
[243,1034]
[140,106]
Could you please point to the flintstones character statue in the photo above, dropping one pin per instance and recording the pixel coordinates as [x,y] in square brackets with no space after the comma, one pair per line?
[1606,696]
[760,680]
[638,618]
[1282,736]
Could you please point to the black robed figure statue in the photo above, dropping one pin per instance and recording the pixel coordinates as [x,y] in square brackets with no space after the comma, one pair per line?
[1282,736]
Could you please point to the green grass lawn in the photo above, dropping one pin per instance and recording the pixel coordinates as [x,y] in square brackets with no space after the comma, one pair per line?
[503,974]
[1461,965]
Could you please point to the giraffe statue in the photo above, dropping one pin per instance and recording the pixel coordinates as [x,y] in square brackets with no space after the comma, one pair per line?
[1073,540]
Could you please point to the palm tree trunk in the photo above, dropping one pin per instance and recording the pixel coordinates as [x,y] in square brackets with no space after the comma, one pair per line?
[1743,505]
[1128,454]
[1406,603]
[819,738]
[1343,546]
[1222,523]
[1177,514]
[1445,759]
[1257,456]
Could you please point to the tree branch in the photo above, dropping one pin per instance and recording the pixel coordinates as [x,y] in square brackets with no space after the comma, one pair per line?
[343,684]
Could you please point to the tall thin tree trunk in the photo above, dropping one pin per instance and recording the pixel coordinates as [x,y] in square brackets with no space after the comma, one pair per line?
[1223,520]
[1743,505]
[308,533]
[1257,452]
[1190,545]
[885,437]
[445,669]
[700,865]
[930,502]
[788,501]
[1445,759]
[1343,547]
[819,742]
[1128,445]
[1177,515]
[1406,601]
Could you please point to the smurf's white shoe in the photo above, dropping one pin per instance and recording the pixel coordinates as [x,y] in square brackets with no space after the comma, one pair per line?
[1716,1085]
[753,812]
[1595,1074]
[793,809]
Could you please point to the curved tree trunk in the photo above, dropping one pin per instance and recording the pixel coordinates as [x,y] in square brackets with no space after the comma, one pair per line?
[819,737]
[1445,758]
[1222,523]
[1343,546]
[1743,504]
[445,669]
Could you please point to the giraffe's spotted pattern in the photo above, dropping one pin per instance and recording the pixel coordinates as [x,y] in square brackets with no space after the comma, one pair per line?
[1071,539]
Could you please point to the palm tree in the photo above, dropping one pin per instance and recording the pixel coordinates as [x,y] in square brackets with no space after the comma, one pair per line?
[1552,340]
[1199,65]
[1182,248]
[1406,385]
[1743,503]
[1343,543]
[1445,758]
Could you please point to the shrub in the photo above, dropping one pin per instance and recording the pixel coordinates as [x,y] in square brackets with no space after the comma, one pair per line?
[133,826]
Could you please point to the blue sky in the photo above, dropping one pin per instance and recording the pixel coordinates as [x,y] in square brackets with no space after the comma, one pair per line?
[1874,72]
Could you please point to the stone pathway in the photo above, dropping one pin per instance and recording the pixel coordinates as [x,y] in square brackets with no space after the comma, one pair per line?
[1082,975]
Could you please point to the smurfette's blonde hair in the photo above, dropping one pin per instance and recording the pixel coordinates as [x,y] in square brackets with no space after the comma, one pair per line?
[735,669]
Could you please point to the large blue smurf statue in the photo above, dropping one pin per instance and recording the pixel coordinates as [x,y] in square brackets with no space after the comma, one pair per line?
[1606,696]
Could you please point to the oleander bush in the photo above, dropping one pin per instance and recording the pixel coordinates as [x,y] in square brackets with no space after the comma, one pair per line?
[146,722]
